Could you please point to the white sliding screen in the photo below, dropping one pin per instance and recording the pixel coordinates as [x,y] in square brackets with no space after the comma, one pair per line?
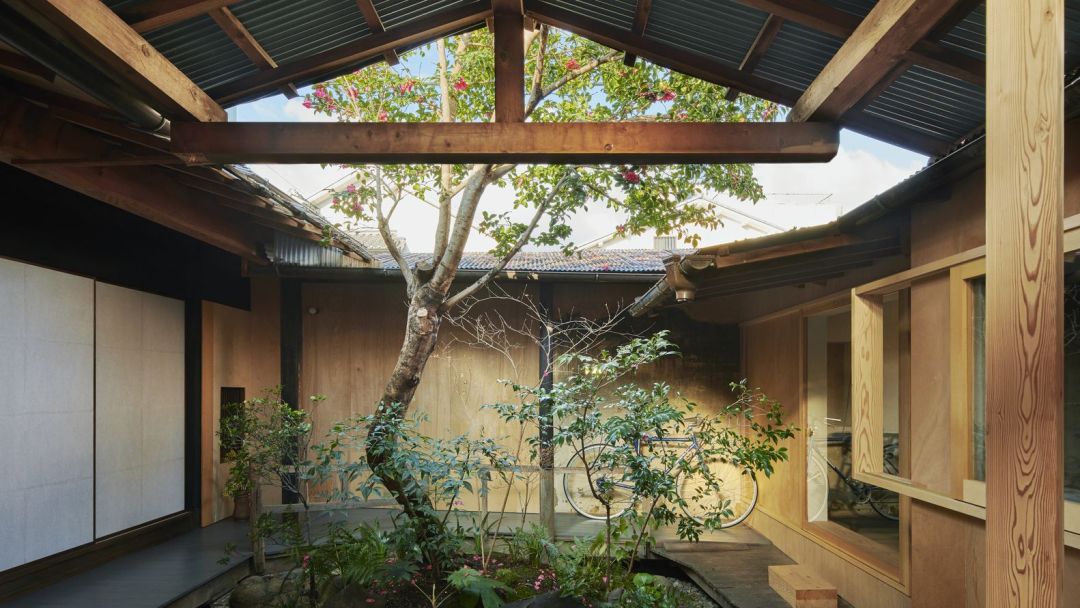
[140,408]
[46,409]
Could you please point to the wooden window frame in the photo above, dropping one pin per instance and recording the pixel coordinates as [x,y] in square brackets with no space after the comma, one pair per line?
[868,383]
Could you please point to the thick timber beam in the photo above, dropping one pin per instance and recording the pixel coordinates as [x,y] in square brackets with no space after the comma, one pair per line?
[889,31]
[556,143]
[1025,189]
[509,60]
[123,52]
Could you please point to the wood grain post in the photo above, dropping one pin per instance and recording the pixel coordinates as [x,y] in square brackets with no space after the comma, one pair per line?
[509,61]
[1024,338]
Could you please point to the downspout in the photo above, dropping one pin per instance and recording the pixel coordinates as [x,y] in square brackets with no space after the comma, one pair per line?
[23,33]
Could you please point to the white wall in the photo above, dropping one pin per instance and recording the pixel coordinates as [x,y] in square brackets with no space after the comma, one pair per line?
[46,405]
[140,408]
[85,366]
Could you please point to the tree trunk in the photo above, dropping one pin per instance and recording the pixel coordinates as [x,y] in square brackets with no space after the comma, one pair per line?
[421,333]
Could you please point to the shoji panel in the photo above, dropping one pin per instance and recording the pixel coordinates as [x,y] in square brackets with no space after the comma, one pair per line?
[46,412]
[140,408]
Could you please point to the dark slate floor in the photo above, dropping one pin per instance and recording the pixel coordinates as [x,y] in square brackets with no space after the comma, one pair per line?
[153,577]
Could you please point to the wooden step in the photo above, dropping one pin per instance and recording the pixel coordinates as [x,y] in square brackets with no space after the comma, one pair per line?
[801,588]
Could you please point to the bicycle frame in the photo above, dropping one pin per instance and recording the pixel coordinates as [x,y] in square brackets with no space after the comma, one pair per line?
[694,447]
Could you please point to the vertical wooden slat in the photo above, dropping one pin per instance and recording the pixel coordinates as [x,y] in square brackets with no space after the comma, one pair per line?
[1024,339]
[509,61]
[867,380]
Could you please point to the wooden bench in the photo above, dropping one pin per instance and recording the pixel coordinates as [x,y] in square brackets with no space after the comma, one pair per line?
[801,588]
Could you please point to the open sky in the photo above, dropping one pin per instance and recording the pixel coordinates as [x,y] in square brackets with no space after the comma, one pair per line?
[797,195]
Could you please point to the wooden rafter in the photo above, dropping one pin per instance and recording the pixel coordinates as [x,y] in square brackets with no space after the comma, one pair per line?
[375,24]
[242,38]
[715,72]
[880,42]
[757,50]
[509,61]
[641,21]
[113,44]
[824,18]
[153,14]
[350,54]
[28,131]
[556,143]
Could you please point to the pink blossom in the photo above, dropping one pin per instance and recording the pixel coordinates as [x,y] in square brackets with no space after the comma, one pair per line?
[631,176]
[461,85]
[383,115]
[407,86]
[320,93]
[353,93]
[307,103]
[572,65]
[683,115]
[351,188]
[370,600]
[667,96]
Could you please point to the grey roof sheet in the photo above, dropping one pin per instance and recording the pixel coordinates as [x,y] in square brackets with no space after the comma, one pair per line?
[631,261]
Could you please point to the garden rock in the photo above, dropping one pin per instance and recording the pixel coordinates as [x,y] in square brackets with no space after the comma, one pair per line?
[270,591]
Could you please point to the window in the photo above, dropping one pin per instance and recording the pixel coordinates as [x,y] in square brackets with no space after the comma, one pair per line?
[835,499]
[976,286]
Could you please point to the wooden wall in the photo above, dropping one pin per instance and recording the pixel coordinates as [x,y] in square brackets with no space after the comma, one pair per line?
[352,333]
[240,349]
[947,549]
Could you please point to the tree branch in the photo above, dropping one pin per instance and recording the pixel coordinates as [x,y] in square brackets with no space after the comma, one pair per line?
[568,77]
[447,266]
[388,236]
[522,240]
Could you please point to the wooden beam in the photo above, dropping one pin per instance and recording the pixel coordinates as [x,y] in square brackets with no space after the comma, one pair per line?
[350,54]
[890,29]
[1025,190]
[824,18]
[153,14]
[122,51]
[715,72]
[242,38]
[28,131]
[509,61]
[641,21]
[757,50]
[556,143]
[375,24]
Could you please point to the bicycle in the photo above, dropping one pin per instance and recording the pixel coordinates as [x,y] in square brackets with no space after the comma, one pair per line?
[738,487]
[884,502]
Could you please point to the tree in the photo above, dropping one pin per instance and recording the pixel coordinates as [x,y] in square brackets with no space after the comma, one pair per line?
[568,79]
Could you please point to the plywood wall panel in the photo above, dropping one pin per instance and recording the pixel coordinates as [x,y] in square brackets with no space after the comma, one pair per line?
[772,361]
[930,395]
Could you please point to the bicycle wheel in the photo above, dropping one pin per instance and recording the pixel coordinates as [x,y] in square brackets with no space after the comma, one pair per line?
[728,494]
[885,502]
[588,492]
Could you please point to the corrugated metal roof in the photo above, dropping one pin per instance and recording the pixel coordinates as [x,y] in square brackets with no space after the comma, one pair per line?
[797,56]
[690,25]
[931,103]
[859,8]
[190,44]
[617,13]
[288,35]
[394,13]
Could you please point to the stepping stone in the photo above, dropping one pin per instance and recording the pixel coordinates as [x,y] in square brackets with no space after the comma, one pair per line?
[801,588]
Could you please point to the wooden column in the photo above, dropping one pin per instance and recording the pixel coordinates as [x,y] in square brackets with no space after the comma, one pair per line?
[509,61]
[1024,387]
